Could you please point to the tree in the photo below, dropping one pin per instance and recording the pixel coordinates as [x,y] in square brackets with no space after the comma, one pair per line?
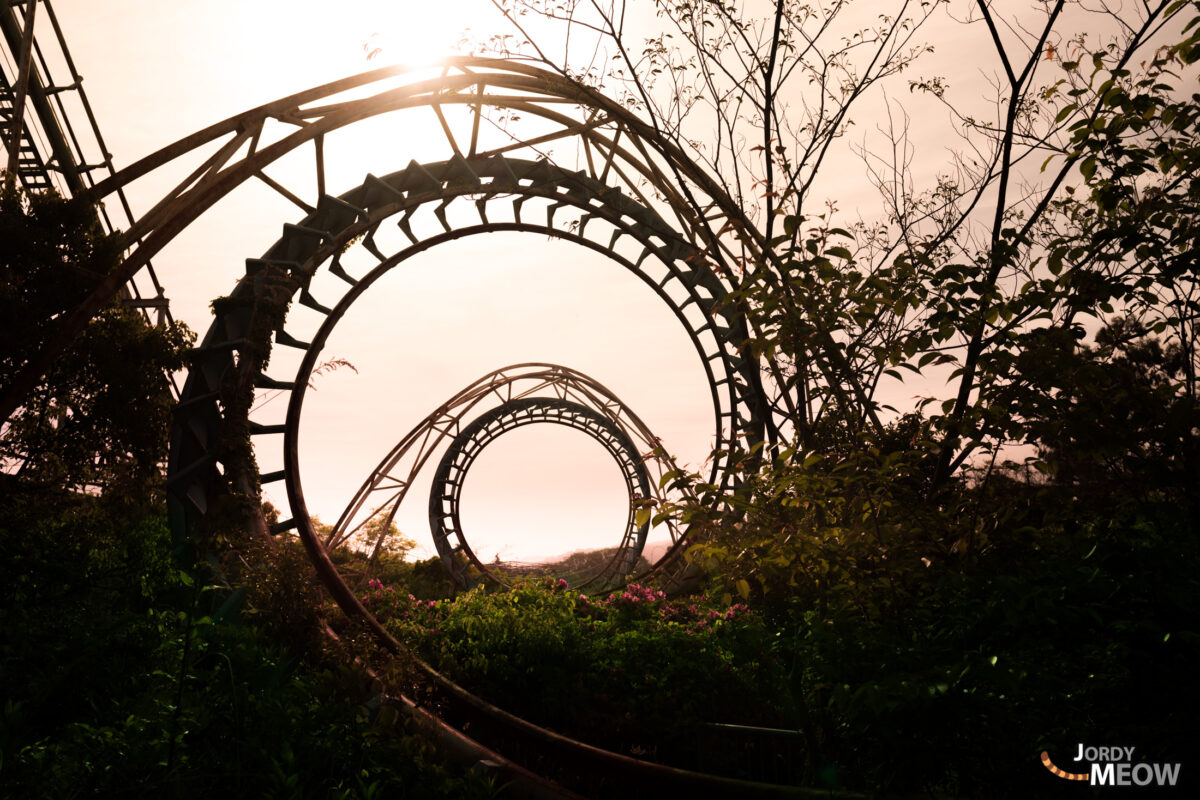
[1037,288]
[381,536]
[98,421]
[1116,424]
[968,265]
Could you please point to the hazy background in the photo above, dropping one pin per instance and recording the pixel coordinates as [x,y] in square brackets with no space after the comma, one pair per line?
[156,72]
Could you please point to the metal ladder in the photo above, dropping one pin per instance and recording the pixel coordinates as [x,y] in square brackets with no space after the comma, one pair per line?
[31,167]
[55,140]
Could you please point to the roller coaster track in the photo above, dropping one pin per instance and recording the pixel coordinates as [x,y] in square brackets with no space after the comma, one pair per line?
[510,398]
[638,200]
[50,135]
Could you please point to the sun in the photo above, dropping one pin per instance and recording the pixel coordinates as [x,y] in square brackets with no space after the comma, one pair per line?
[362,34]
[417,32]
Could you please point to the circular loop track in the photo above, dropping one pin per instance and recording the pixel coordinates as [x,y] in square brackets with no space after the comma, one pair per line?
[614,205]
[569,205]
[446,493]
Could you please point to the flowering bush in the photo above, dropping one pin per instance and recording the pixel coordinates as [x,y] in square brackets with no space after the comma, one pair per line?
[388,604]
[651,605]
[631,670]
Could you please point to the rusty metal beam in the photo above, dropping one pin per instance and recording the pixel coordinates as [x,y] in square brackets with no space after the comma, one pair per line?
[24,68]
[542,89]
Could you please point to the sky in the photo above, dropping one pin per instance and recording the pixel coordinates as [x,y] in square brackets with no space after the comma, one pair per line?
[155,72]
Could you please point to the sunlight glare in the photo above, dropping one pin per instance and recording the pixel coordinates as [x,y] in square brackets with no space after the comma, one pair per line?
[415,33]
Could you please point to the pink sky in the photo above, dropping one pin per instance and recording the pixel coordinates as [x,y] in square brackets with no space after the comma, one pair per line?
[156,72]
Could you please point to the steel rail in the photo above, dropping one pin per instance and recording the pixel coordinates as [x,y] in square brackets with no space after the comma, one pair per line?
[189,200]
[513,384]
[310,243]
[445,495]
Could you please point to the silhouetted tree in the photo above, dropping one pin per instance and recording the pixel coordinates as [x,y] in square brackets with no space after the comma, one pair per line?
[98,420]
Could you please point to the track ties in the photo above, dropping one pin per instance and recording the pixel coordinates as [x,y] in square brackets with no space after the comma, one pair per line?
[336,268]
[306,299]
[284,338]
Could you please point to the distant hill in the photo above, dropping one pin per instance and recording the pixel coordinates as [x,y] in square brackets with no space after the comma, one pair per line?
[653,551]
[578,565]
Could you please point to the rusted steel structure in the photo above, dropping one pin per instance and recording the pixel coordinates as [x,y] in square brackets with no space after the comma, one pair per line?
[637,200]
[624,159]
[538,197]
[446,494]
[50,135]
[501,401]
[632,196]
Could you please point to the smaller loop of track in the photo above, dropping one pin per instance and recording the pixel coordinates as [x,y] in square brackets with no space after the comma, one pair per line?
[446,494]
[498,402]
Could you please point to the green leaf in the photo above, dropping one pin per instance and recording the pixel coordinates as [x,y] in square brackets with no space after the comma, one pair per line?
[1065,112]
[232,604]
[1088,167]
[642,516]
[669,476]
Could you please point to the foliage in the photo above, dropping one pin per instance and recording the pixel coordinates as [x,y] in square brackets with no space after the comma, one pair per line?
[51,251]
[140,670]
[1031,607]
[632,671]
[1117,423]
[968,268]
[1078,628]
[426,579]
[99,417]
[945,615]
[138,676]
[380,550]
[927,616]
[381,535]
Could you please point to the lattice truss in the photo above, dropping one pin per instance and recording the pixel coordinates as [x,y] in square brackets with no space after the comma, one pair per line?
[502,401]
[49,136]
[631,196]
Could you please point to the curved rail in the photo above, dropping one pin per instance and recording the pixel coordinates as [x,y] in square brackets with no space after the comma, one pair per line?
[686,266]
[637,451]
[228,360]
[446,494]
[620,150]
[397,471]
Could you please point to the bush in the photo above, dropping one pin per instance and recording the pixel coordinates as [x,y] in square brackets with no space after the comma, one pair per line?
[139,678]
[631,671]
